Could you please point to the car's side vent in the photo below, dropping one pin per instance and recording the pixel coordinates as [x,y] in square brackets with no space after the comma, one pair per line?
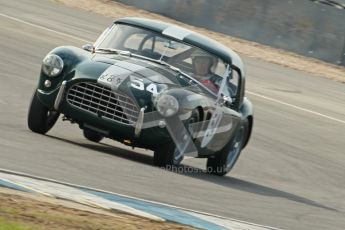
[103,102]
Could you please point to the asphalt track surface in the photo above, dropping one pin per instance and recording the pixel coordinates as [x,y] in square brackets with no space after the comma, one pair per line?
[290,176]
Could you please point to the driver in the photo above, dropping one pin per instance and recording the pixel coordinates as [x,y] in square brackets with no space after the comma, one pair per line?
[202,64]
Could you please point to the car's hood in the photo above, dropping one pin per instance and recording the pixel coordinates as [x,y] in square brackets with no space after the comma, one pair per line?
[138,78]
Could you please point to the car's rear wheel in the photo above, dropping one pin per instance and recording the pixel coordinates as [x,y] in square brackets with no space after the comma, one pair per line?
[223,161]
[168,154]
[40,118]
[92,135]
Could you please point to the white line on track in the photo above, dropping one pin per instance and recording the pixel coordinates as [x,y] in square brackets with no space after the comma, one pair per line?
[44,28]
[296,107]
[249,92]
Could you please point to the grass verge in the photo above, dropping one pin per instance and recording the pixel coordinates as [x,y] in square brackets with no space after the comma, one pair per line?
[26,211]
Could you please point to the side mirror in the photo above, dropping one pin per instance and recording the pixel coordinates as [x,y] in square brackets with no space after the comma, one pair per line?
[88,47]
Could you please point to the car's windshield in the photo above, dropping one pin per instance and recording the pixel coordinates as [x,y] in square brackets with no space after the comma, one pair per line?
[197,63]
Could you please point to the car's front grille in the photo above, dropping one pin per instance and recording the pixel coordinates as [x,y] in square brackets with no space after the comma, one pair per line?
[103,102]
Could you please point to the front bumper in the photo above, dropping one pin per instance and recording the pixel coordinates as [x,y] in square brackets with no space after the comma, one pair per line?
[77,109]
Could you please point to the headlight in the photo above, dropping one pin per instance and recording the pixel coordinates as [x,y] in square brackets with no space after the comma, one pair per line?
[167,105]
[52,65]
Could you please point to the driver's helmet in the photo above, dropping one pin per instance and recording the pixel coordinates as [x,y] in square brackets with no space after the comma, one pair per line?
[202,54]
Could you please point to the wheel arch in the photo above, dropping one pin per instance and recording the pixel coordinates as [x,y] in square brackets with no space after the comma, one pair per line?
[248,115]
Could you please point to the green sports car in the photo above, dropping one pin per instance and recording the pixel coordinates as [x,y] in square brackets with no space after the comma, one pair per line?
[152,85]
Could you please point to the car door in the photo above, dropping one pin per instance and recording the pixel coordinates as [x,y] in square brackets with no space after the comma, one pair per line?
[223,118]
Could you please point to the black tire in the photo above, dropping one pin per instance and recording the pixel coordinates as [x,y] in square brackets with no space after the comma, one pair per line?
[92,135]
[223,161]
[168,155]
[40,118]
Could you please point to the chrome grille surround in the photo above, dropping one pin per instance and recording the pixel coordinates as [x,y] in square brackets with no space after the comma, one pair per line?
[103,102]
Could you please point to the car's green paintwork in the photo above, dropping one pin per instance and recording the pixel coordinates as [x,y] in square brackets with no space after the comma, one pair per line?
[84,66]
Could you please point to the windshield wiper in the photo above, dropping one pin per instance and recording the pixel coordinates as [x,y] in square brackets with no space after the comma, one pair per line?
[115,51]
[108,50]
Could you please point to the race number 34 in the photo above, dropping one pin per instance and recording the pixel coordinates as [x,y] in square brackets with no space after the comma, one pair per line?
[139,84]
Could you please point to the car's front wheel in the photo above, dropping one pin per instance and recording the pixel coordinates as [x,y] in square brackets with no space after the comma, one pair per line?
[223,161]
[92,135]
[168,154]
[40,118]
